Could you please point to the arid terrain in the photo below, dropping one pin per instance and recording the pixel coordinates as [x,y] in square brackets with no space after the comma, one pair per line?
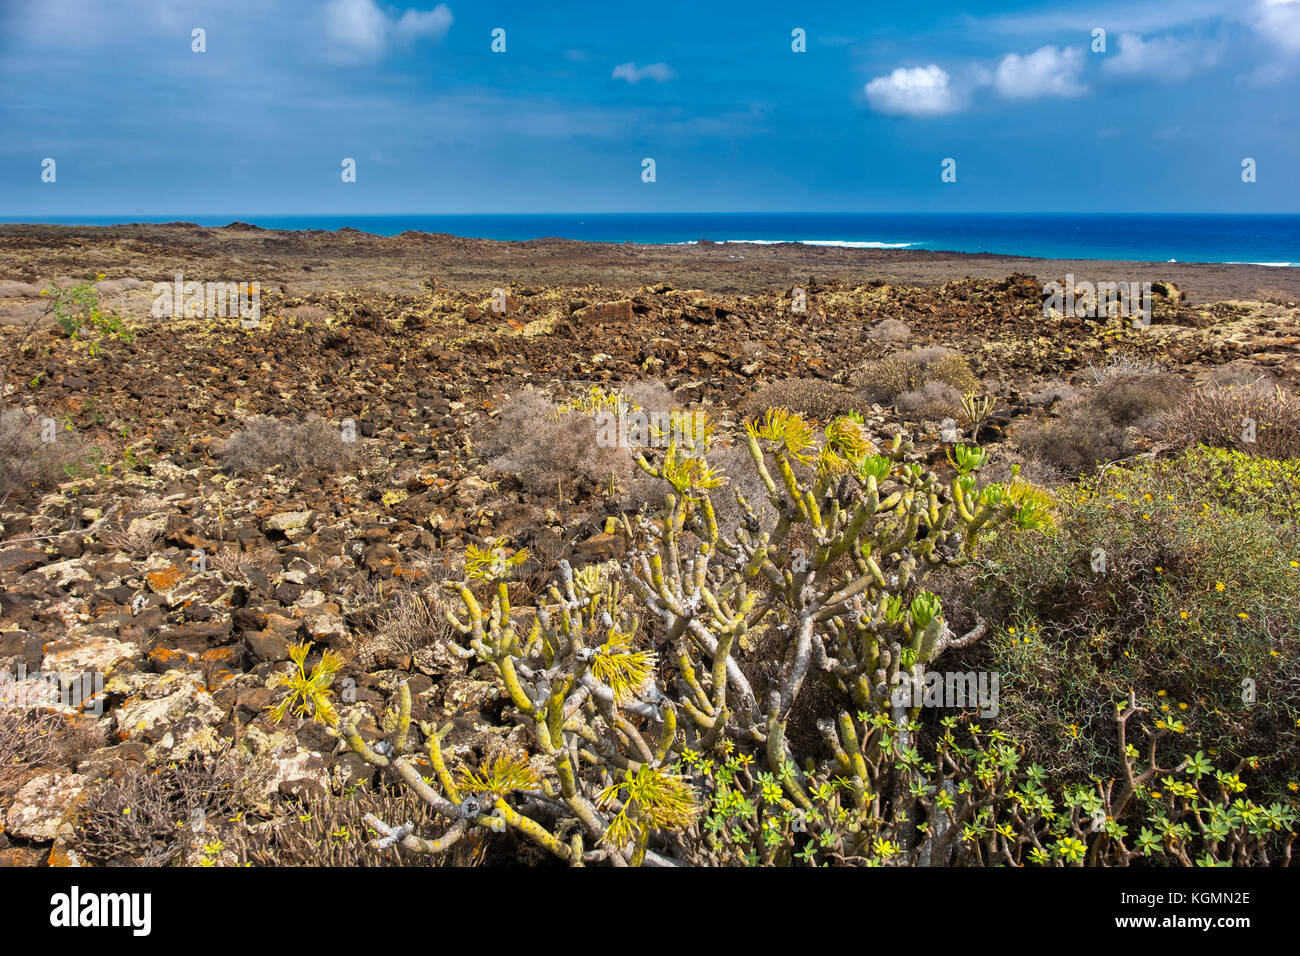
[184,579]
[301,263]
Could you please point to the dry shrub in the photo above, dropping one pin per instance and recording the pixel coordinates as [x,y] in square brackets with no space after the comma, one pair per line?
[1054,393]
[1133,397]
[545,552]
[141,542]
[890,330]
[1105,422]
[1009,464]
[309,313]
[142,816]
[27,461]
[27,743]
[933,401]
[549,450]
[1077,441]
[1239,373]
[884,380]
[1274,296]
[736,465]
[266,441]
[1255,419]
[812,398]
[408,622]
[330,830]
[649,394]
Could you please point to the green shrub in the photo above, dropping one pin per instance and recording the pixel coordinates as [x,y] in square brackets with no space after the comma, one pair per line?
[1241,481]
[1175,579]
[77,313]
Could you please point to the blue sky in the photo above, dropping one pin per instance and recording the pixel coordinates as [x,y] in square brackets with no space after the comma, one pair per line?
[735,120]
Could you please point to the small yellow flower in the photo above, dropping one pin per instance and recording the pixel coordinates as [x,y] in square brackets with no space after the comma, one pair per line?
[1243,615]
[1182,706]
[1160,693]
[1295,564]
[1011,630]
[1159,569]
[1293,786]
[1219,585]
[1183,615]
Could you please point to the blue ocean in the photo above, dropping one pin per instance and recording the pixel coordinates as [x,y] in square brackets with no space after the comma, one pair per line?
[1258,239]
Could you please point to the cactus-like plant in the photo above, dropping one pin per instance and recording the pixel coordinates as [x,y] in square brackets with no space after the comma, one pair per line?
[655,744]
[977,409]
[611,714]
[308,690]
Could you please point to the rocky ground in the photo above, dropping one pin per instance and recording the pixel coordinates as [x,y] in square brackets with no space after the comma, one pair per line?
[185,583]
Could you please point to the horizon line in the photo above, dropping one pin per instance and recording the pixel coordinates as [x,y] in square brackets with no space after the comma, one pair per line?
[31,219]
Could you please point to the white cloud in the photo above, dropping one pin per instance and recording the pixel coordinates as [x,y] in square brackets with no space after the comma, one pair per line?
[1162,58]
[358,30]
[1047,71]
[1279,21]
[424,23]
[659,72]
[919,91]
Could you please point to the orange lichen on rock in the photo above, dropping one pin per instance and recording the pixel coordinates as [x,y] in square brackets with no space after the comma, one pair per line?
[165,580]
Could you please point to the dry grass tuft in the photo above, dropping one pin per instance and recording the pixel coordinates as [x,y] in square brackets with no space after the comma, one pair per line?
[1255,419]
[885,380]
[812,398]
[891,331]
[265,442]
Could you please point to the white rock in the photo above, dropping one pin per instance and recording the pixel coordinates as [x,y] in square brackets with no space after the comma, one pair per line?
[170,698]
[101,654]
[39,808]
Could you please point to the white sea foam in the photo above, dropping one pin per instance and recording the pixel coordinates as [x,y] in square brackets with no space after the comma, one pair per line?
[845,243]
[1276,265]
